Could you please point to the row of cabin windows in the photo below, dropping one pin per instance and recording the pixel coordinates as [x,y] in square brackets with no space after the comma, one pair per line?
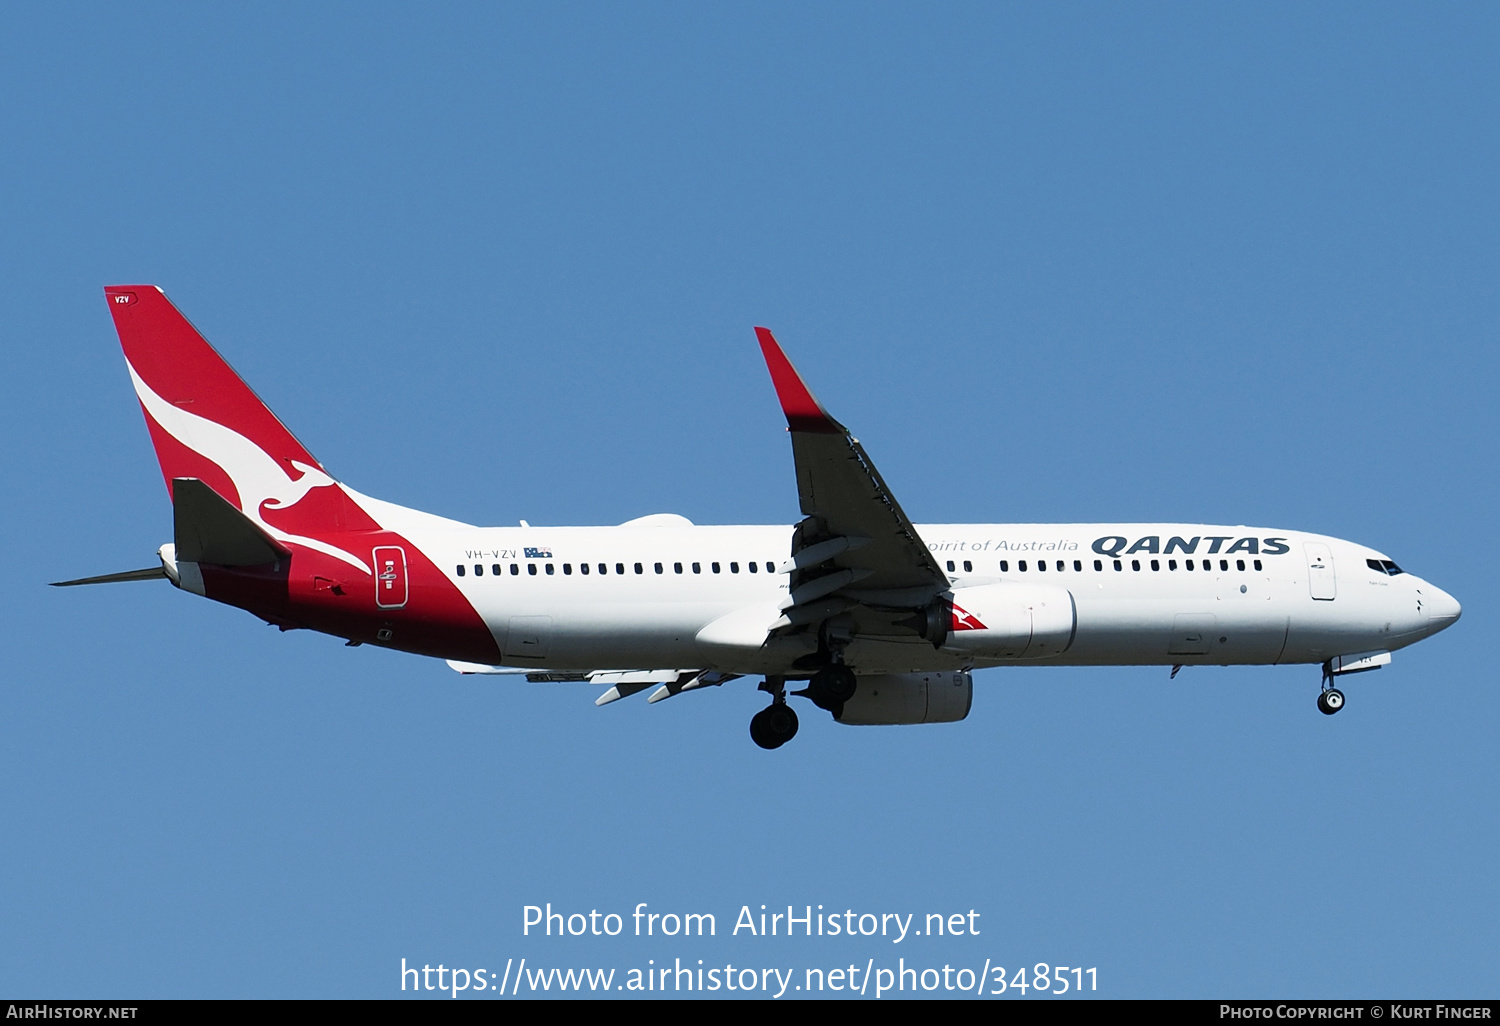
[1135,564]
[498,569]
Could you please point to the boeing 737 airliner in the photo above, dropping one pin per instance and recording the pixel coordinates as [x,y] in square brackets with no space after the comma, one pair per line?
[883,620]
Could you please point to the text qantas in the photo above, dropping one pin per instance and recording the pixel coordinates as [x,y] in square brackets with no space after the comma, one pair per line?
[1114,545]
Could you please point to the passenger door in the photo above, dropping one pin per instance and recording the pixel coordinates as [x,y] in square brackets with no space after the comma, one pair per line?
[1320,574]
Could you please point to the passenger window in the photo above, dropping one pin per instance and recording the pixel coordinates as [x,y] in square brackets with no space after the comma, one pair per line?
[640,569]
[1061,565]
[514,570]
[734,568]
[1098,564]
[567,569]
[1078,566]
[1005,566]
[1118,566]
[495,569]
[950,566]
[1257,564]
[1135,564]
[549,569]
[1189,564]
[697,568]
[1021,565]
[1239,563]
[658,567]
[714,567]
[531,569]
[604,568]
[1223,564]
[460,571]
[751,566]
[677,568]
[1171,564]
[478,569]
[1155,565]
[620,568]
[1041,565]
[968,567]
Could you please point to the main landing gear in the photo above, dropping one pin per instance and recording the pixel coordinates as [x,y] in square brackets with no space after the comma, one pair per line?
[829,689]
[1332,699]
[776,724]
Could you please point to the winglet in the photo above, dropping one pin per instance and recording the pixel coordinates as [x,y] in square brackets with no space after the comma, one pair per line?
[803,411]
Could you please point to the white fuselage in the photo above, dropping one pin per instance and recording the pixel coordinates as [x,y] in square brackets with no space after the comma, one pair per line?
[670,593]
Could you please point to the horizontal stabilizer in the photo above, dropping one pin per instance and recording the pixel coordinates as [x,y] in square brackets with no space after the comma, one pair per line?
[208,529]
[149,574]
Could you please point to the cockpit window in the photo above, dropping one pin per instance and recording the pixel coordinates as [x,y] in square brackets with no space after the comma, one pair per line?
[1384,566]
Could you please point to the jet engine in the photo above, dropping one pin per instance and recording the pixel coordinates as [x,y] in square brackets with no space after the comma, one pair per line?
[1011,620]
[888,698]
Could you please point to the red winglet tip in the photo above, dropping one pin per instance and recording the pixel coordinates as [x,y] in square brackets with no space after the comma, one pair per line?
[803,411]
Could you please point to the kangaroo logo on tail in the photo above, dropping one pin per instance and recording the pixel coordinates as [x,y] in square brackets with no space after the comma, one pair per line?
[257,477]
[257,455]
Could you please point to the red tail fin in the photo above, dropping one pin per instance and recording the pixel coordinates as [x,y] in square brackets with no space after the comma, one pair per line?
[206,423]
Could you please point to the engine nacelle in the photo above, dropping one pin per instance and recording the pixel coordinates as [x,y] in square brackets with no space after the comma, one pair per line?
[943,696]
[1012,620]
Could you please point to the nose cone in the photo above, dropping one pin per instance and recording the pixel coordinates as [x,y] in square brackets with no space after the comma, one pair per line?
[1443,609]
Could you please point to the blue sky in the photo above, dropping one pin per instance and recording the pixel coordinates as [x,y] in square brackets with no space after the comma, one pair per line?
[1229,264]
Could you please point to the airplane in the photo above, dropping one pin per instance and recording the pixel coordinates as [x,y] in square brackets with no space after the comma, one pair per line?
[882,621]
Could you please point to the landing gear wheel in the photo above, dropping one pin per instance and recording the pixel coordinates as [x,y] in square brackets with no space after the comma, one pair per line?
[773,726]
[1330,701]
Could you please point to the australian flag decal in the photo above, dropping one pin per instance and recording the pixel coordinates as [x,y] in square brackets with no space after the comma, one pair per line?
[538,553]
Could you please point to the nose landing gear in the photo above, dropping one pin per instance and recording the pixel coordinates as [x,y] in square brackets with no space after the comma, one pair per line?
[776,724]
[1331,700]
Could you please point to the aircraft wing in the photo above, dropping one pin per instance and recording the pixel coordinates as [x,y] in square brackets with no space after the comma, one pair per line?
[855,543]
